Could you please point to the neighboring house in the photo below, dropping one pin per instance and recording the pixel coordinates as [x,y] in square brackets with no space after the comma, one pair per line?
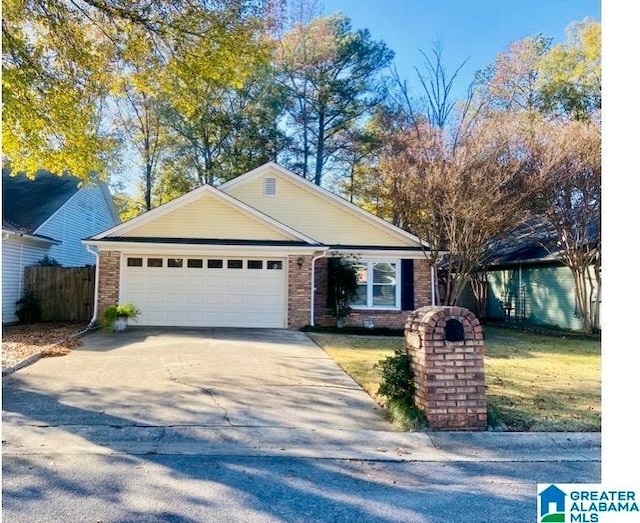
[253,253]
[47,216]
[528,281]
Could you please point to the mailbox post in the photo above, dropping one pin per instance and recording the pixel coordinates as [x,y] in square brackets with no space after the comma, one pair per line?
[446,348]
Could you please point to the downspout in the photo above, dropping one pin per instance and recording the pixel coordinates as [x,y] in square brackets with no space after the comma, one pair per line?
[94,318]
[519,295]
[313,287]
[433,288]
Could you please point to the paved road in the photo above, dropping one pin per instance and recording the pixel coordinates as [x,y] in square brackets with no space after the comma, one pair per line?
[248,426]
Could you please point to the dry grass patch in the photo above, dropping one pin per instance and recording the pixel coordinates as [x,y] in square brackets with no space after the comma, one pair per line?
[534,382]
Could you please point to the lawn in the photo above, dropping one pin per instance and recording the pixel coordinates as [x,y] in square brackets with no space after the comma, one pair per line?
[534,382]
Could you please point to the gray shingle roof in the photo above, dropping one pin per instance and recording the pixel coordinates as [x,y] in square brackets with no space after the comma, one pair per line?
[27,204]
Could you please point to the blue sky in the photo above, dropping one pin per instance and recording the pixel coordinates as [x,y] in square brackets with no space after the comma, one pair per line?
[477,30]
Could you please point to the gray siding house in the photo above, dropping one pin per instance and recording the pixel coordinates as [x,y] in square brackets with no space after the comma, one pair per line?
[48,216]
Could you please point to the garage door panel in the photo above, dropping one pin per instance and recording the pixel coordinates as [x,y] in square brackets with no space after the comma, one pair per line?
[235,299]
[194,296]
[152,297]
[194,299]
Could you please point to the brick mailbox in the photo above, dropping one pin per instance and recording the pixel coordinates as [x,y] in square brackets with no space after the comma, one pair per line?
[446,348]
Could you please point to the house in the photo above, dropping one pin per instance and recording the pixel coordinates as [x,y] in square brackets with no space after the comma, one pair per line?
[47,216]
[253,253]
[527,279]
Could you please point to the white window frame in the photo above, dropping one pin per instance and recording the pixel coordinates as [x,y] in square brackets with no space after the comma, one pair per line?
[370,262]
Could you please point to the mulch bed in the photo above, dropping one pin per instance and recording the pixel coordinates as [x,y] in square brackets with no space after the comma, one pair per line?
[22,341]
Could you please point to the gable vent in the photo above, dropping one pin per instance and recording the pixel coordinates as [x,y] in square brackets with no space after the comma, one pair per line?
[269,186]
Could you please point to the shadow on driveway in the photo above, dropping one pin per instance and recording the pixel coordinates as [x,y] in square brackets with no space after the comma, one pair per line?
[82,446]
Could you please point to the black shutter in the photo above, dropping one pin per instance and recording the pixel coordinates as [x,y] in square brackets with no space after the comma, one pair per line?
[407,301]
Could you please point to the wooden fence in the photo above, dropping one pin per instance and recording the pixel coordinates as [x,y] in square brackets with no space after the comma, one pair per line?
[63,293]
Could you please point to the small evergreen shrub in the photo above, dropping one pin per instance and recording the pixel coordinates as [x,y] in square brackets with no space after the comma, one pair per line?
[397,386]
[397,378]
[28,309]
[47,261]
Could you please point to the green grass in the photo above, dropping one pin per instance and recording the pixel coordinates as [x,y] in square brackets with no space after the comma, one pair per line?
[534,382]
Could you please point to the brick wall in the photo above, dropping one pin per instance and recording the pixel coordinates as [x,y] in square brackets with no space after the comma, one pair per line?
[299,306]
[108,279]
[449,375]
[380,318]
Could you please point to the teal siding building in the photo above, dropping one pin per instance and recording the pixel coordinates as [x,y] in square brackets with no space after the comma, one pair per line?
[538,294]
[527,281]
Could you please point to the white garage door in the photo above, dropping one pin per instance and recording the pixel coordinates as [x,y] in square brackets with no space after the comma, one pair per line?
[206,291]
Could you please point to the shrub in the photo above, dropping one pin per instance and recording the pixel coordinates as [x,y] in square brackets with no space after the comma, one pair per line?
[397,378]
[47,261]
[397,386]
[28,309]
[342,287]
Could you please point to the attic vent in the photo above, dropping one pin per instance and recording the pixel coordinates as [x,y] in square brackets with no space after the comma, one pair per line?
[269,186]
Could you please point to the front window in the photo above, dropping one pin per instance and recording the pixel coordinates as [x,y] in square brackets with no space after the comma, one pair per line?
[378,285]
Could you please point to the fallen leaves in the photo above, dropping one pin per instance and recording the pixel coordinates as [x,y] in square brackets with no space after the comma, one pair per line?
[48,339]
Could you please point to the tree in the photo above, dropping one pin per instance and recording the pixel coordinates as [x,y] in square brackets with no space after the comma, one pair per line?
[456,194]
[55,78]
[206,81]
[566,167]
[137,102]
[330,72]
[60,60]
[511,83]
[570,82]
[437,85]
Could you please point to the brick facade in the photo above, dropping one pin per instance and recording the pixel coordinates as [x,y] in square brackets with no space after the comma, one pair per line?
[299,292]
[108,279]
[299,282]
[379,318]
[449,375]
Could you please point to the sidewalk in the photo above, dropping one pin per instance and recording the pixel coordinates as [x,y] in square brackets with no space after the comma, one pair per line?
[320,443]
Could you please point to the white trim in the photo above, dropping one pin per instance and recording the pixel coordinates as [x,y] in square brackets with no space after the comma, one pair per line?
[370,262]
[186,248]
[379,253]
[106,193]
[194,195]
[29,237]
[327,195]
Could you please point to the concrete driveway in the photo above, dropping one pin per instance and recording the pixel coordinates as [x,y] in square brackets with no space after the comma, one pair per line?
[248,426]
[197,377]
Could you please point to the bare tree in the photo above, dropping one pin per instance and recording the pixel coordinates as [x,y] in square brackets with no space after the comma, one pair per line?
[456,194]
[566,165]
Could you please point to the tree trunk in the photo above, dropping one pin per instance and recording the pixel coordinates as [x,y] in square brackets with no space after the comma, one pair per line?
[320,149]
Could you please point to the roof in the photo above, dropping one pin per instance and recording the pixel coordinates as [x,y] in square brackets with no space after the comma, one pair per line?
[27,204]
[533,242]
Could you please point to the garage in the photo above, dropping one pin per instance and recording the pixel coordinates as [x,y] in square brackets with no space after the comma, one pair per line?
[200,291]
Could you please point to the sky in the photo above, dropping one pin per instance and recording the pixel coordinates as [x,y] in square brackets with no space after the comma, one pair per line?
[474,30]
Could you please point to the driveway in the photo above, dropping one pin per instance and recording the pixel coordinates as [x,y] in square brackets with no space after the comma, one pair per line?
[247,425]
[196,377]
